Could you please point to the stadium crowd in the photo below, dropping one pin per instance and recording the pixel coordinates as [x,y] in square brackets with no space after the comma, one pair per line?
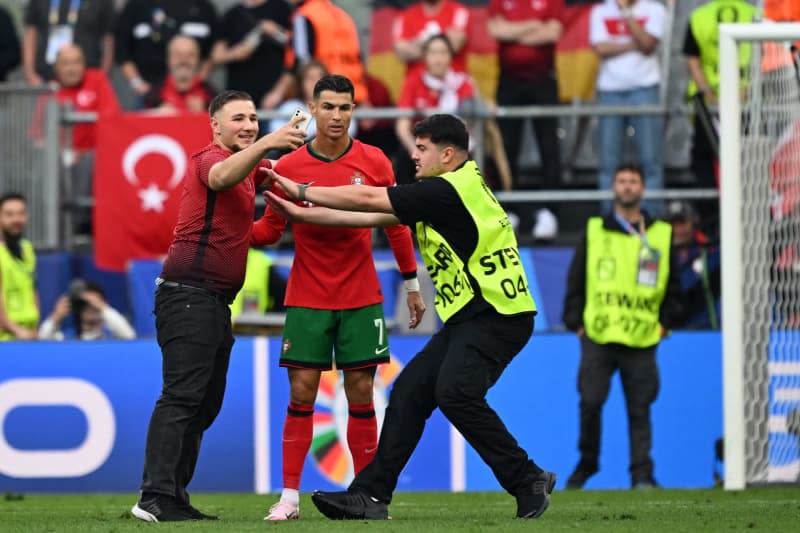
[502,54]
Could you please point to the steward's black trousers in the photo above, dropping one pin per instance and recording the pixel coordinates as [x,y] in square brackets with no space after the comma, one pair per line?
[194,333]
[639,374]
[453,372]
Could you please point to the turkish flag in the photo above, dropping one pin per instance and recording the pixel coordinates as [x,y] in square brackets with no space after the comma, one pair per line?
[140,165]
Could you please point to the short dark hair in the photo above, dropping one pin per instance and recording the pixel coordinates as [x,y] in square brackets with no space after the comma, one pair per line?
[443,129]
[12,196]
[336,83]
[630,166]
[439,37]
[227,96]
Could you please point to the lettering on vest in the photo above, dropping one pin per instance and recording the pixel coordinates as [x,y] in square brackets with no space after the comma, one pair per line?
[627,301]
[501,259]
[443,257]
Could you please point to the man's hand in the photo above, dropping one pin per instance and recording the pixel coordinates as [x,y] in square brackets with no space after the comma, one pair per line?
[287,136]
[288,210]
[61,310]
[285,185]
[94,299]
[416,308]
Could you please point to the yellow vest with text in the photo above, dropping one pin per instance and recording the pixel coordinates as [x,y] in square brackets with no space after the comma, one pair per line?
[704,22]
[254,294]
[618,309]
[19,289]
[495,264]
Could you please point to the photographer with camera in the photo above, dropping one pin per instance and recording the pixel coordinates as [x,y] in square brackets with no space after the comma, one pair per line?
[92,317]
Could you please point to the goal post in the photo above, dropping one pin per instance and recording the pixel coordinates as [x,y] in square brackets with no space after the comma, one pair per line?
[760,339]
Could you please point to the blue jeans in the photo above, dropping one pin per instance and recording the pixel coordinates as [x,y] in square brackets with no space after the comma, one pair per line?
[649,133]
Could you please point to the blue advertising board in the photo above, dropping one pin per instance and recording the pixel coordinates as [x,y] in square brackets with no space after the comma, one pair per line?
[74,415]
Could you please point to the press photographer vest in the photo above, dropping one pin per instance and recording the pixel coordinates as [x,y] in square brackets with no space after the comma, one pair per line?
[495,264]
[19,290]
[618,308]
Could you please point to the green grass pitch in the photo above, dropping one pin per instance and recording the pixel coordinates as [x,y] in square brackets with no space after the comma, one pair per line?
[763,509]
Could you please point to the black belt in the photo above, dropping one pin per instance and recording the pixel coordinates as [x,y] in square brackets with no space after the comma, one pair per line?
[175,285]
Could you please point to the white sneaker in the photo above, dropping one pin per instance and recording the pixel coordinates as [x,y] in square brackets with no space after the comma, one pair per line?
[284,510]
[546,227]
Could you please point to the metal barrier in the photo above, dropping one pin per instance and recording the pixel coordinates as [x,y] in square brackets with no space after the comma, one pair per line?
[29,157]
[576,112]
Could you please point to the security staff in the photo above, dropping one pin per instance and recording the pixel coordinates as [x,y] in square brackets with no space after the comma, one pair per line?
[623,295]
[19,302]
[482,296]
[263,289]
[701,49]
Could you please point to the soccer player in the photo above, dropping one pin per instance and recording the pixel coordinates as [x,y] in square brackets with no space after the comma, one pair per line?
[333,294]
[202,273]
[482,297]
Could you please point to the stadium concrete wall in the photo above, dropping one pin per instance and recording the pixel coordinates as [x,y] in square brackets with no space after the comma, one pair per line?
[74,417]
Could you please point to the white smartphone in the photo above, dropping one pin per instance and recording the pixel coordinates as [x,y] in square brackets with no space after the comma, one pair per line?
[305,121]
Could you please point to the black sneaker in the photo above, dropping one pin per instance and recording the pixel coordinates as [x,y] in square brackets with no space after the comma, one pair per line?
[350,505]
[533,502]
[197,514]
[160,508]
[580,476]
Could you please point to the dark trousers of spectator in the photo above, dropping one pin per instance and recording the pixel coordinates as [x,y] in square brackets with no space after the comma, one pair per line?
[639,374]
[194,333]
[515,92]
[453,372]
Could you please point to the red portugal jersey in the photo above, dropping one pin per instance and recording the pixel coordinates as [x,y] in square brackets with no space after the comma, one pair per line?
[333,266]
[522,61]
[212,236]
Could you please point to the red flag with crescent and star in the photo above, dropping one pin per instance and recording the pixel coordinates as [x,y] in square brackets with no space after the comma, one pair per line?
[140,165]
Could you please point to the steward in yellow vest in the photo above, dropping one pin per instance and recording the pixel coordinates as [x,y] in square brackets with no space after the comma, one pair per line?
[255,295]
[19,303]
[701,46]
[482,296]
[623,294]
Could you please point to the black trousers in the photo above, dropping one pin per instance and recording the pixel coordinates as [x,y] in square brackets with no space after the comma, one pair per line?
[514,92]
[639,373]
[194,333]
[453,372]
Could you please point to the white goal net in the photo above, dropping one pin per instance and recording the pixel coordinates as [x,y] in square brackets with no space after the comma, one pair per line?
[760,205]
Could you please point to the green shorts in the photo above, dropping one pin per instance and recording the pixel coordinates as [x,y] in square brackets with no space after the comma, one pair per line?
[357,337]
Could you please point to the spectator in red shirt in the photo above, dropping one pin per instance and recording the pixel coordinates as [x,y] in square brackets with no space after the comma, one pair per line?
[183,89]
[527,33]
[421,21]
[84,89]
[436,86]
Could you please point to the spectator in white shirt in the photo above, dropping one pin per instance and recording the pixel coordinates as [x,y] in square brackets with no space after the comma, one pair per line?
[625,34]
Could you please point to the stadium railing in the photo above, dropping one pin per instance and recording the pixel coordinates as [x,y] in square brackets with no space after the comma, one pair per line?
[52,170]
